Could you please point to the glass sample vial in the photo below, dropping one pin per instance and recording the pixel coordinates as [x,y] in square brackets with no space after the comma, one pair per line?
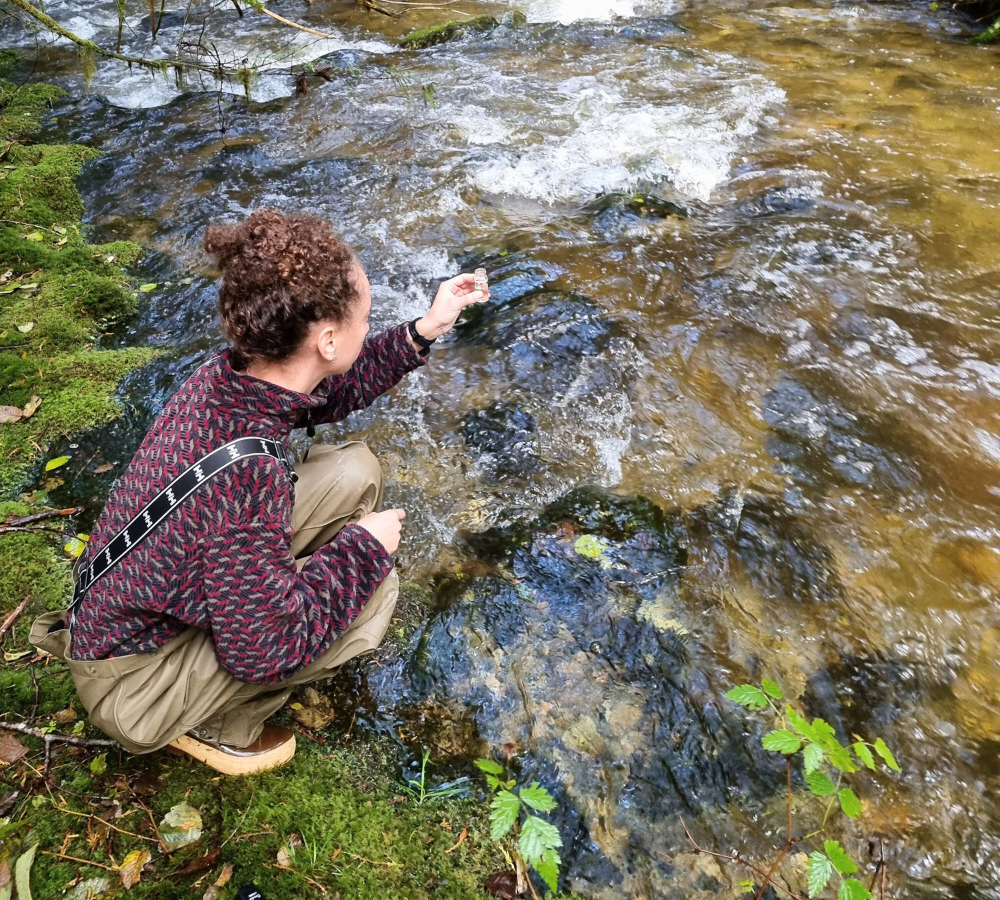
[482,281]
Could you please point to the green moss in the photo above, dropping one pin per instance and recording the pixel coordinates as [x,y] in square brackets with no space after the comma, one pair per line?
[60,288]
[989,35]
[362,837]
[449,31]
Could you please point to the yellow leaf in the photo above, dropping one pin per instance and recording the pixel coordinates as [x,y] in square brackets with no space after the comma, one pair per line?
[58,229]
[74,547]
[130,871]
[145,288]
[26,327]
[56,463]
[34,236]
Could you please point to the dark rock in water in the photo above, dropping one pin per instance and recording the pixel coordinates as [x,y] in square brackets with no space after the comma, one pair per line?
[541,338]
[778,202]
[765,541]
[628,736]
[504,432]
[819,435]
[646,206]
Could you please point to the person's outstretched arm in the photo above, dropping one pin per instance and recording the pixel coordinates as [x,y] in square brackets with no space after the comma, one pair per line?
[388,356]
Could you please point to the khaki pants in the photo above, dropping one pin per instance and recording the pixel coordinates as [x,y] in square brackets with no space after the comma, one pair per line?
[147,700]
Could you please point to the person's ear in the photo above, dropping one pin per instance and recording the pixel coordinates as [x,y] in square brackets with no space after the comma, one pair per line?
[327,344]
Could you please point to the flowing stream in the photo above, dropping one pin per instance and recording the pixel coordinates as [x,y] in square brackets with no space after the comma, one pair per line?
[744,264]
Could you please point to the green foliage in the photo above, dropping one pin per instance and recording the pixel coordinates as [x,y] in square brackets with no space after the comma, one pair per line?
[538,841]
[748,696]
[838,858]
[825,764]
[503,814]
[819,873]
[419,790]
[882,750]
[989,36]
[851,889]
[782,741]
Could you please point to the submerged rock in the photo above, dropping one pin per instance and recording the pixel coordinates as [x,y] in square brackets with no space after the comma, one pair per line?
[458,28]
[504,433]
[566,636]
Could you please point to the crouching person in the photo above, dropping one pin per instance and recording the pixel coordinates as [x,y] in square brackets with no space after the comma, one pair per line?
[218,576]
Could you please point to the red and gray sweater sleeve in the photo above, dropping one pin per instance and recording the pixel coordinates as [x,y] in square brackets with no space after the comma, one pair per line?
[268,620]
[385,358]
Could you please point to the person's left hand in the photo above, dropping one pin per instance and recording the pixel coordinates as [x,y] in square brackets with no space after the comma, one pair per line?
[452,297]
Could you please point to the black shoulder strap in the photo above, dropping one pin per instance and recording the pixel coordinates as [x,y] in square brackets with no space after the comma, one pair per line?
[167,501]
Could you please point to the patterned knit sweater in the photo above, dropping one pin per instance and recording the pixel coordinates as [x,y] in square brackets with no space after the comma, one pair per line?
[222,561]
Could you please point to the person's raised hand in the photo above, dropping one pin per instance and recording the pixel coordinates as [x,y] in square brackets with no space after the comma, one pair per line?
[452,297]
[385,526]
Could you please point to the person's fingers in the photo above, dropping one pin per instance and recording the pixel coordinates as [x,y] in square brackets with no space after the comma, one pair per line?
[401,513]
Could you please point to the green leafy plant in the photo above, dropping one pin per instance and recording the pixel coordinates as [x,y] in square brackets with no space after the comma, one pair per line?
[827,765]
[418,789]
[513,813]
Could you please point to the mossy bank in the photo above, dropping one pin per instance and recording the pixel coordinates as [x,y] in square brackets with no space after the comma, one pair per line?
[357,833]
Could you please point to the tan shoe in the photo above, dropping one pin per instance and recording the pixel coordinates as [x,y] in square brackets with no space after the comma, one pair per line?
[273,748]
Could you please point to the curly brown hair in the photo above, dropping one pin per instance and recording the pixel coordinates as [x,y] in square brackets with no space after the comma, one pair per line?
[280,274]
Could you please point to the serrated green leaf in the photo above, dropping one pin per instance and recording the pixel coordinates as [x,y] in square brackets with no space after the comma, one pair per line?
[56,463]
[99,764]
[772,688]
[548,868]
[849,803]
[864,753]
[812,758]
[800,724]
[146,288]
[781,741]
[537,837]
[503,814]
[850,889]
[537,798]
[824,732]
[838,856]
[882,750]
[819,873]
[489,765]
[748,696]
[747,886]
[840,757]
[820,783]
[493,782]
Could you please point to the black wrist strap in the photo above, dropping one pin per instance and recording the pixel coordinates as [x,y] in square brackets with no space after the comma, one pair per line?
[145,521]
[418,338]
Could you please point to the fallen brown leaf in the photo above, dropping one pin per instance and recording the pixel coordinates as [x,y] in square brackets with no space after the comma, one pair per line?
[31,406]
[10,414]
[65,716]
[199,864]
[11,749]
[7,801]
[104,467]
[225,875]
[503,885]
[4,874]
[147,784]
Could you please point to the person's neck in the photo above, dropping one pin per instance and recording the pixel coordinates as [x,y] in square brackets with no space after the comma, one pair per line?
[291,375]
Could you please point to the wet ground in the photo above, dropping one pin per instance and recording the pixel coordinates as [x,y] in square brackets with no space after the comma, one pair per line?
[744,264]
